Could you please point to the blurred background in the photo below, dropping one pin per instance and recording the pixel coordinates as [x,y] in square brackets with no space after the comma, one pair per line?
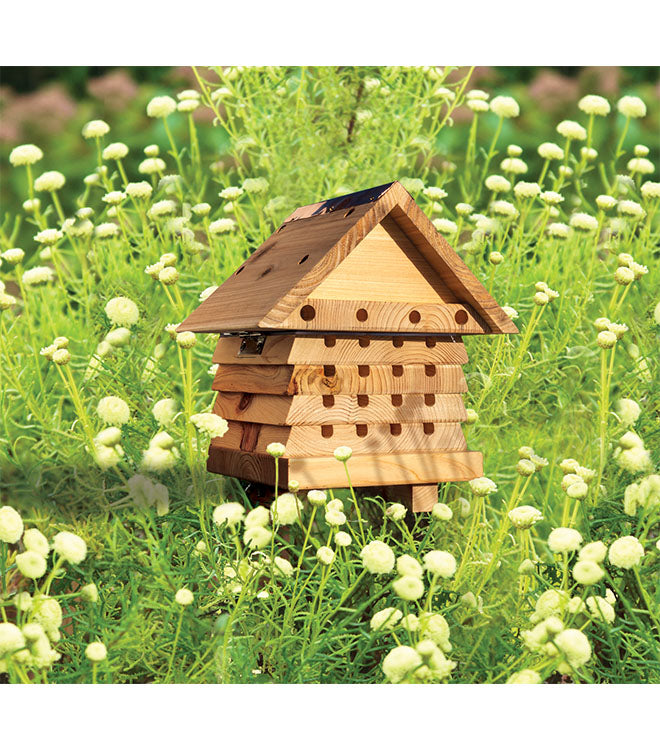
[49,105]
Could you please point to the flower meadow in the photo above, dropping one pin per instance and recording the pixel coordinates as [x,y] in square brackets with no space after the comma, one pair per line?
[123,561]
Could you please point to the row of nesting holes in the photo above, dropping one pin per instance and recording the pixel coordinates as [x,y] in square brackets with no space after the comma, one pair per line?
[364,341]
[307,312]
[395,398]
[362,430]
[329,371]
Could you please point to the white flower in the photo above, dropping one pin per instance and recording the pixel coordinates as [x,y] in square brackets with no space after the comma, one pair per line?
[482,486]
[257,537]
[445,226]
[587,572]
[230,513]
[211,425]
[207,293]
[514,165]
[34,540]
[409,588]
[343,453]
[401,661]
[505,106]
[440,563]
[325,555]
[563,540]
[406,565]
[11,639]
[114,198]
[48,236]
[70,546]
[276,450]
[651,190]
[317,497]
[584,222]
[497,184]
[95,129]
[115,151]
[96,652]
[593,552]
[28,153]
[161,106]
[31,564]
[464,209]
[386,619]
[605,202]
[639,165]
[342,539]
[221,226]
[113,410]
[11,525]
[435,193]
[631,106]
[283,567]
[551,198]
[625,552]
[477,105]
[594,105]
[550,151]
[255,185]
[286,509]
[164,411]
[628,411]
[441,512]
[377,557]
[525,516]
[396,511]
[526,189]
[187,105]
[558,230]
[525,677]
[571,130]
[106,229]
[152,165]
[231,193]
[575,647]
[185,339]
[49,181]
[606,339]
[631,208]
[259,516]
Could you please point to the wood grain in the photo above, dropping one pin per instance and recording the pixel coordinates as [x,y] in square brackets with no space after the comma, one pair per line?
[334,350]
[287,268]
[301,441]
[351,379]
[365,471]
[385,267]
[366,316]
[340,409]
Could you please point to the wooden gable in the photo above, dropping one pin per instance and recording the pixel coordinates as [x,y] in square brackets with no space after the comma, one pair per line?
[368,262]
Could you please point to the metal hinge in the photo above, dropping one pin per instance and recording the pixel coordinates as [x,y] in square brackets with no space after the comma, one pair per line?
[251,345]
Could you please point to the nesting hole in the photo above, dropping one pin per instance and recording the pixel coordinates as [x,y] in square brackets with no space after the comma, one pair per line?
[430,343]
[239,270]
[429,399]
[363,401]
[414,317]
[329,371]
[265,272]
[397,370]
[429,371]
[329,340]
[303,259]
[397,342]
[364,341]
[397,399]
[361,430]
[362,315]
[327,430]
[429,428]
[461,317]
[328,401]
[364,370]
[395,429]
[349,212]
[307,312]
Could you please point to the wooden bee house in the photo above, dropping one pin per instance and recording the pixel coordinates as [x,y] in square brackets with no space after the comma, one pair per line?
[345,328]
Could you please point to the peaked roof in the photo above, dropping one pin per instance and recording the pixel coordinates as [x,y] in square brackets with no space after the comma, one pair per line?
[311,243]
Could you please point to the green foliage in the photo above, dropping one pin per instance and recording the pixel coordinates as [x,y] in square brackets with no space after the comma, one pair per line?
[287,137]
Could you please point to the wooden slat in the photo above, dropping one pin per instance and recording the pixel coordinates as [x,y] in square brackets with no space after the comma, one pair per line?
[334,350]
[362,439]
[340,409]
[365,316]
[349,379]
[365,471]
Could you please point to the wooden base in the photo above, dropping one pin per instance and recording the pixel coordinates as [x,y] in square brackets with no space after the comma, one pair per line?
[365,471]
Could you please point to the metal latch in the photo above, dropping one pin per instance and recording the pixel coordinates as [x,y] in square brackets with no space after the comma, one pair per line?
[251,346]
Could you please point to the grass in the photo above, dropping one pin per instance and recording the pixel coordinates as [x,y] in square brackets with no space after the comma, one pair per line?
[309,134]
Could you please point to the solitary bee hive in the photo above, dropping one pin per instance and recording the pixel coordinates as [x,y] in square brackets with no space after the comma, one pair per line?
[345,328]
